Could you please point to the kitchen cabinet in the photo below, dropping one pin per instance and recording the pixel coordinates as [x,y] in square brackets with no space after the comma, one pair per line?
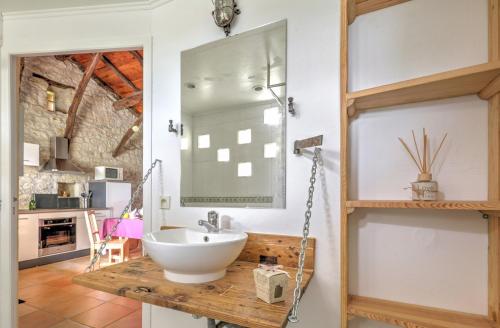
[31,154]
[28,237]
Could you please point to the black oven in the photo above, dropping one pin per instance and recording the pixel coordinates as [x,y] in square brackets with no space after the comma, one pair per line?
[56,236]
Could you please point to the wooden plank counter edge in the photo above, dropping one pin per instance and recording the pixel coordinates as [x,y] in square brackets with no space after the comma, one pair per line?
[231,299]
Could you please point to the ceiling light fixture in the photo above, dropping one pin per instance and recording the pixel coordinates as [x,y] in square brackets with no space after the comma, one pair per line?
[224,13]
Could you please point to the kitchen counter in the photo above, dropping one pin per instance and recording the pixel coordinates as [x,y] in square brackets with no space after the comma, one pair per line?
[231,299]
[60,210]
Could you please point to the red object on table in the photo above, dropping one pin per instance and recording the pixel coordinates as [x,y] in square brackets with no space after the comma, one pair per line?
[129,228]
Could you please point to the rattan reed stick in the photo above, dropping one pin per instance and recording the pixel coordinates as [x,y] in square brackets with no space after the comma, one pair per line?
[410,153]
[418,152]
[437,150]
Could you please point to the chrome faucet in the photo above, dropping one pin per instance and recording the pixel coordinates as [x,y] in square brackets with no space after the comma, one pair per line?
[212,224]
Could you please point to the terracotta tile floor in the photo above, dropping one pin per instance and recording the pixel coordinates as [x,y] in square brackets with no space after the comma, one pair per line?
[53,301]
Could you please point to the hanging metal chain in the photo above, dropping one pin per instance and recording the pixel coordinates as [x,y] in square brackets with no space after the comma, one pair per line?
[125,211]
[303,244]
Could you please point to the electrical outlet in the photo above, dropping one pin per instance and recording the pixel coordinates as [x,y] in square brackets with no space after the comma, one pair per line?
[165,202]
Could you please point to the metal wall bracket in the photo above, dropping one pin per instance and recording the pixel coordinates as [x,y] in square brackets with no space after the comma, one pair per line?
[307,143]
[175,130]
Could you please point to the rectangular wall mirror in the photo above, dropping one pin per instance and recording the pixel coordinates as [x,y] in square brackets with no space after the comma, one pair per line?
[233,114]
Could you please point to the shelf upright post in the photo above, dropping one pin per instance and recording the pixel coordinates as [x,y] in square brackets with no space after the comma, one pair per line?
[344,155]
[494,171]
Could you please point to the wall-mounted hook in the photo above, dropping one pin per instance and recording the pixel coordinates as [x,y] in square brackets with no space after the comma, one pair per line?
[291,107]
[171,127]
[299,145]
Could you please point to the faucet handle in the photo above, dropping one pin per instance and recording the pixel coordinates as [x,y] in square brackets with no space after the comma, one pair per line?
[213,217]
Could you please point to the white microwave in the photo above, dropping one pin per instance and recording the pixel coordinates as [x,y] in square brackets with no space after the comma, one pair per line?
[108,173]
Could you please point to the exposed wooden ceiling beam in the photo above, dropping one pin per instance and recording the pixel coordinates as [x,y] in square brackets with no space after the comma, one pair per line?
[96,79]
[130,132]
[52,82]
[115,70]
[62,57]
[134,112]
[129,101]
[137,56]
[77,99]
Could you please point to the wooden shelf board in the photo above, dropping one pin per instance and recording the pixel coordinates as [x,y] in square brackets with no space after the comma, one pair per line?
[407,315]
[361,7]
[482,206]
[455,83]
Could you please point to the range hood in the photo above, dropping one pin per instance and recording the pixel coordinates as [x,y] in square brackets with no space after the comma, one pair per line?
[59,158]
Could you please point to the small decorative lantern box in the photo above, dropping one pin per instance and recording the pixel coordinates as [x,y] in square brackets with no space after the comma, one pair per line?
[270,283]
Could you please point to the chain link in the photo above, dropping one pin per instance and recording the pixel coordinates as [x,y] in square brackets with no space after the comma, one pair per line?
[293,317]
[98,255]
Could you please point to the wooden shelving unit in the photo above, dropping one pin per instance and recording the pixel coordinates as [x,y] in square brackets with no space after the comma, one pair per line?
[361,7]
[409,315]
[478,79]
[480,206]
[482,80]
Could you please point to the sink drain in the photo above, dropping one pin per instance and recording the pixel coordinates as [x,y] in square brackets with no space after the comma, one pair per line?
[206,239]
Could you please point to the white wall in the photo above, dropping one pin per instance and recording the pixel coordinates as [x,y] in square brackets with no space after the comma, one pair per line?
[313,76]
[17,5]
[431,258]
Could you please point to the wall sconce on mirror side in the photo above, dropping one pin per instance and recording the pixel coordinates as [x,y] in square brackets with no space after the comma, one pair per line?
[224,13]
[291,106]
[175,130]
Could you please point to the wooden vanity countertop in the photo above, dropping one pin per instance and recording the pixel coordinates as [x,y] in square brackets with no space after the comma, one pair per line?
[231,299]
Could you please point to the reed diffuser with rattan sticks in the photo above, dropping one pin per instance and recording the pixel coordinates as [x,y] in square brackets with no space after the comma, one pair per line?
[424,188]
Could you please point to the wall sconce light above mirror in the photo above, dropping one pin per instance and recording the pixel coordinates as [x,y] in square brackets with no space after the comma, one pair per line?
[233,149]
[224,13]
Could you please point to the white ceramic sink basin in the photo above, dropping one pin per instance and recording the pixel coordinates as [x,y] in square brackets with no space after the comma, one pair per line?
[191,256]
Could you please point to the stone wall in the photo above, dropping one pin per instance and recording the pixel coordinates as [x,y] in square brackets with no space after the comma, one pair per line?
[97,132]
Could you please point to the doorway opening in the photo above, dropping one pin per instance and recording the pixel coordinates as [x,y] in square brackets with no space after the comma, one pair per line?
[82,159]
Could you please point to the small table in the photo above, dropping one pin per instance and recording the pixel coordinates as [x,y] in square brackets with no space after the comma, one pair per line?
[128,228]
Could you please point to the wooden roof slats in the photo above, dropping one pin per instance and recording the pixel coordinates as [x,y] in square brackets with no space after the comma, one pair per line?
[129,101]
[119,73]
[137,56]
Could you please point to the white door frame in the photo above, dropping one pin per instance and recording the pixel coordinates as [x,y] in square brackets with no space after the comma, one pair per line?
[8,155]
